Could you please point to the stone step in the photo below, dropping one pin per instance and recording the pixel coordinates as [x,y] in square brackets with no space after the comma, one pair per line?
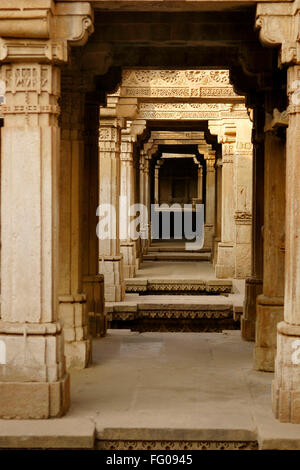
[178,286]
[177,256]
[167,316]
[177,249]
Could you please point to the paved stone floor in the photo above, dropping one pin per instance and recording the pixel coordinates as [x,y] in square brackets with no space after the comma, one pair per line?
[163,386]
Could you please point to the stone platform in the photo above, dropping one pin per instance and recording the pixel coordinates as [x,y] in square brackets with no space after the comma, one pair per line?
[176,256]
[163,390]
[172,313]
[177,286]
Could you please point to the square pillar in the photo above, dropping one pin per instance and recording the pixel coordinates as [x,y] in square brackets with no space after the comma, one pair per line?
[127,244]
[243,208]
[72,299]
[33,378]
[286,384]
[269,310]
[110,257]
[225,266]
[209,226]
[253,285]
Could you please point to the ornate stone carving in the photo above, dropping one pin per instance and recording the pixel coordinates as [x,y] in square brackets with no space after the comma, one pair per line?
[43,33]
[175,445]
[177,83]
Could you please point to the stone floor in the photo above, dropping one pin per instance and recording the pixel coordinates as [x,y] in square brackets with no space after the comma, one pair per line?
[158,387]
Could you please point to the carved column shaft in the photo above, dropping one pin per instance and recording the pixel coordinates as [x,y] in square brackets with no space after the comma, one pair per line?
[253,285]
[270,304]
[243,208]
[127,245]
[93,282]
[210,199]
[286,385]
[225,263]
[33,381]
[111,260]
[72,300]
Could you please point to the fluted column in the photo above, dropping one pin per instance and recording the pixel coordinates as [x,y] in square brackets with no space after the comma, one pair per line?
[110,257]
[33,380]
[127,245]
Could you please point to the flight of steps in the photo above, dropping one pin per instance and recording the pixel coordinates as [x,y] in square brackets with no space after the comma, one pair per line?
[175,303]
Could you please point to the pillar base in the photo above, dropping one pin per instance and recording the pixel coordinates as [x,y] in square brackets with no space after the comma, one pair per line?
[286,384]
[74,317]
[112,269]
[225,265]
[253,288]
[127,249]
[78,354]
[269,313]
[34,400]
[242,246]
[93,286]
[208,236]
[214,258]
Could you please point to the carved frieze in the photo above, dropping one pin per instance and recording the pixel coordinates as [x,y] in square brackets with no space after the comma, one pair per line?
[177,84]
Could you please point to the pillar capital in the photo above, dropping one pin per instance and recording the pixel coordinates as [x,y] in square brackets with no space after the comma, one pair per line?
[278,25]
[276,120]
[43,32]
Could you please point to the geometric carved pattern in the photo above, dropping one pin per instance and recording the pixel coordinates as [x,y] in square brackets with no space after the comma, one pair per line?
[175,445]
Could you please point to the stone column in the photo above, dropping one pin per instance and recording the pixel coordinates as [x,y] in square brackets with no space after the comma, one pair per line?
[200,183]
[93,282]
[253,286]
[142,194]
[111,259]
[286,384]
[72,300]
[210,199]
[147,201]
[33,380]
[243,209]
[225,262]
[218,211]
[269,309]
[127,245]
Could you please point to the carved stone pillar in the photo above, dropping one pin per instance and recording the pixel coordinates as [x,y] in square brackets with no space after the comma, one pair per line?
[142,195]
[243,208]
[270,303]
[225,263]
[253,286]
[286,385]
[93,282]
[209,226]
[147,201]
[72,300]
[156,180]
[33,380]
[111,259]
[218,211]
[127,245]
[200,183]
